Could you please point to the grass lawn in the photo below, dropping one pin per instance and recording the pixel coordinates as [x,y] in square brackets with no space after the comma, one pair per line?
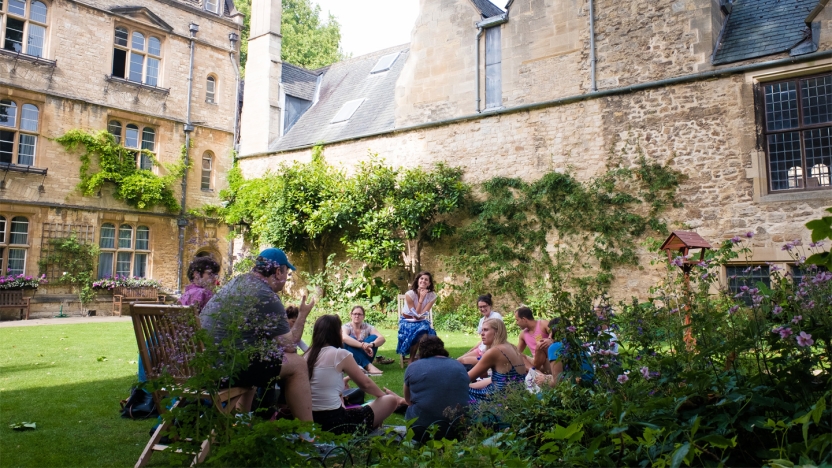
[68,379]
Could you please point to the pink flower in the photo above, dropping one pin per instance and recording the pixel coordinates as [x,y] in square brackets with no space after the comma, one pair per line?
[785,333]
[736,240]
[777,310]
[645,372]
[797,318]
[571,329]
[805,339]
[733,310]
[749,234]
[622,378]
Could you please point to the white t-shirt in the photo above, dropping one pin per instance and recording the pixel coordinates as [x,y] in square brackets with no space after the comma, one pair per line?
[328,379]
[494,315]
[410,313]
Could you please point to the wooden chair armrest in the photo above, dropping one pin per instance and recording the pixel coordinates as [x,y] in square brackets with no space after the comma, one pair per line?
[161,298]
[26,301]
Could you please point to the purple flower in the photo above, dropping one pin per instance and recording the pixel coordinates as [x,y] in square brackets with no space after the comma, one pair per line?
[571,329]
[797,319]
[736,240]
[816,244]
[749,234]
[785,333]
[777,310]
[805,339]
[622,378]
[645,372]
[678,261]
[733,310]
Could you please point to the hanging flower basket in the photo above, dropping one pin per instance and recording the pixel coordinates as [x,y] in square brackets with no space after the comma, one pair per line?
[21,281]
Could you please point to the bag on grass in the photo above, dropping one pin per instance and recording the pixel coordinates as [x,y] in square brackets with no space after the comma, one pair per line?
[139,405]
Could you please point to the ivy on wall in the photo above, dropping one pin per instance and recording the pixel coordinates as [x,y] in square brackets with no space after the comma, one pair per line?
[105,161]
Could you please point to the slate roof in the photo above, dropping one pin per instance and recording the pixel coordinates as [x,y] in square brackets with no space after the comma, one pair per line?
[756,28]
[347,81]
[487,9]
[299,82]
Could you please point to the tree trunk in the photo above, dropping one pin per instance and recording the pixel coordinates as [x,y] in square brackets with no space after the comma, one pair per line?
[412,255]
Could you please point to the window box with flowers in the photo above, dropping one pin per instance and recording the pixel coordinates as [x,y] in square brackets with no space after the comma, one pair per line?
[21,282]
[126,289]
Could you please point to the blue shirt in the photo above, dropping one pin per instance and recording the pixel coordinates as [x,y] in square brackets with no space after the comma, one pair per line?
[588,372]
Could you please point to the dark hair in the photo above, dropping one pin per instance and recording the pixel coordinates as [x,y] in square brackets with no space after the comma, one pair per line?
[485,298]
[292,312]
[327,332]
[524,313]
[415,285]
[200,264]
[430,346]
[264,266]
[358,307]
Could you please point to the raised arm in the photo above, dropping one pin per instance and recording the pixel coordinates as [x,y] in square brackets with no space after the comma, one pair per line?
[290,340]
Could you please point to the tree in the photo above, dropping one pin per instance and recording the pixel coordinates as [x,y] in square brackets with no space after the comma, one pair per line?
[307,42]
[412,215]
[76,261]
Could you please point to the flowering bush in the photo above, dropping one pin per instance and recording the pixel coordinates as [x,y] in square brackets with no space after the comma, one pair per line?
[21,281]
[112,282]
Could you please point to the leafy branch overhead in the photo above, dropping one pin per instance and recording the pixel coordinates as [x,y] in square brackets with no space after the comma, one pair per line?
[104,161]
[821,230]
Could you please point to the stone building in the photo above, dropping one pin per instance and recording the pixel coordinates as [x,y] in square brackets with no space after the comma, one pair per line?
[123,67]
[736,94]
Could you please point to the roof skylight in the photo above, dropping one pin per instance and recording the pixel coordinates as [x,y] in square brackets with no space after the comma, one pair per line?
[385,63]
[347,110]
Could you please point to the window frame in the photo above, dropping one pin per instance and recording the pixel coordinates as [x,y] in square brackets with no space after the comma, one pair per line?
[733,290]
[760,95]
[207,155]
[211,97]
[6,245]
[28,21]
[117,249]
[19,132]
[129,51]
[493,68]
[142,161]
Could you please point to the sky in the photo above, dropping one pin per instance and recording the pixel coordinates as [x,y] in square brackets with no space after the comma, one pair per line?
[371,25]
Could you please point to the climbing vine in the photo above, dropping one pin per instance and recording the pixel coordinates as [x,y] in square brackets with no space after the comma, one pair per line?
[105,161]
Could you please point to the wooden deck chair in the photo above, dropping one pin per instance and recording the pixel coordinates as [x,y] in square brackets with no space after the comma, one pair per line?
[402,305]
[166,336]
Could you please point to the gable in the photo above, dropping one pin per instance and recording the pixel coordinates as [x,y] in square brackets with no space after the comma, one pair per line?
[142,14]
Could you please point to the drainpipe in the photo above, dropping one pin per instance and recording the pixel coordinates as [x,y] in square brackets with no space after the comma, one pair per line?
[592,58]
[477,70]
[233,37]
[182,222]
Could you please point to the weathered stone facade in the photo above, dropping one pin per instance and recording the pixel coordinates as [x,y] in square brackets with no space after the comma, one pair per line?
[705,123]
[72,86]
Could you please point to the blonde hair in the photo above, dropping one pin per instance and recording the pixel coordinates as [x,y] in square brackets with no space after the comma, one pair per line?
[500,333]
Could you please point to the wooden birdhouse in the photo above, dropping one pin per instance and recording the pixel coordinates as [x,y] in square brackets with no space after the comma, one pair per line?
[684,243]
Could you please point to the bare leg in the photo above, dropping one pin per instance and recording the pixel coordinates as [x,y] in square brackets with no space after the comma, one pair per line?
[298,393]
[383,407]
[469,359]
[373,369]
[481,383]
[245,401]
[413,349]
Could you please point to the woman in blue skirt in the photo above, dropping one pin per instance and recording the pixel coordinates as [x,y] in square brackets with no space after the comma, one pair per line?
[414,320]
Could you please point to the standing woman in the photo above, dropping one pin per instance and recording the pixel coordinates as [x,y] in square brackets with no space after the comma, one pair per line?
[506,363]
[484,305]
[414,320]
[362,340]
[327,362]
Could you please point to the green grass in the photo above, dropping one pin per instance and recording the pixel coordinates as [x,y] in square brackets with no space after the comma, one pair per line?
[68,379]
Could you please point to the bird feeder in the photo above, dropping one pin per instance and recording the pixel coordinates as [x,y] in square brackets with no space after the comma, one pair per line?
[683,244]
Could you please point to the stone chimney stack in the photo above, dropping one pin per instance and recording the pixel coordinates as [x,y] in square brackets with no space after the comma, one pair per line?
[260,124]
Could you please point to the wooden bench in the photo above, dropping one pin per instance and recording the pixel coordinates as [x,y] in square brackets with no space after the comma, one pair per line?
[123,294]
[13,299]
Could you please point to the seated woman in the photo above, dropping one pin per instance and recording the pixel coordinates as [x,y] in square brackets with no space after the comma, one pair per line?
[506,363]
[484,304]
[550,357]
[414,320]
[435,387]
[362,340]
[327,361]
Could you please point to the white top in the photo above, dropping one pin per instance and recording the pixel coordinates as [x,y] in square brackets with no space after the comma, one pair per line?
[410,314]
[492,315]
[328,379]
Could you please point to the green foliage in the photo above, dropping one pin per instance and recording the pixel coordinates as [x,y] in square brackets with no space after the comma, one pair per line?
[821,230]
[76,261]
[537,240]
[104,161]
[307,42]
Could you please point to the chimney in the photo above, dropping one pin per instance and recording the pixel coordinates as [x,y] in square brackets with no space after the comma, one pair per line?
[260,123]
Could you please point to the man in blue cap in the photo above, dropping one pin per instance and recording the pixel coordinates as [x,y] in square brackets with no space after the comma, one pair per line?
[247,316]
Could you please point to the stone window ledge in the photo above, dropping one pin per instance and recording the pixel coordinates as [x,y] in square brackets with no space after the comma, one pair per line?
[28,58]
[797,196]
[155,89]
[21,168]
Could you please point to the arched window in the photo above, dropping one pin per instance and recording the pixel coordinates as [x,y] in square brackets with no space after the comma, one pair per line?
[114,128]
[820,172]
[107,245]
[136,138]
[25,33]
[145,55]
[210,90]
[129,256]
[18,143]
[207,170]
[131,136]
[14,252]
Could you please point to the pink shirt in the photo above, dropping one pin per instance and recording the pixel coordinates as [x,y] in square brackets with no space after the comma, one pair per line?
[531,339]
[196,296]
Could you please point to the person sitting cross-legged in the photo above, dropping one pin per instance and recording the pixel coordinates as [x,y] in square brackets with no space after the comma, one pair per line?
[362,340]
[506,363]
[327,362]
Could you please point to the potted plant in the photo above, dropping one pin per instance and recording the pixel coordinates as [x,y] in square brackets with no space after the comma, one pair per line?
[21,281]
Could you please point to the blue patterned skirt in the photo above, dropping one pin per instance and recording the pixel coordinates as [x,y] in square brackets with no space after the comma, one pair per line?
[409,333]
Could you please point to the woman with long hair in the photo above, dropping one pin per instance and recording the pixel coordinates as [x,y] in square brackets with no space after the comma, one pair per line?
[414,322]
[327,362]
[485,305]
[506,363]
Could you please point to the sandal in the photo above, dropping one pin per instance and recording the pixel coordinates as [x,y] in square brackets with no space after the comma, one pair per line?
[384,360]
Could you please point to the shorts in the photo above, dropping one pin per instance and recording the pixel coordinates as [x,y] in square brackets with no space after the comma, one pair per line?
[345,421]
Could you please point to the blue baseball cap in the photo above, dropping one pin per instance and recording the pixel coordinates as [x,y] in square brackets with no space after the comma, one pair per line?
[278,256]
